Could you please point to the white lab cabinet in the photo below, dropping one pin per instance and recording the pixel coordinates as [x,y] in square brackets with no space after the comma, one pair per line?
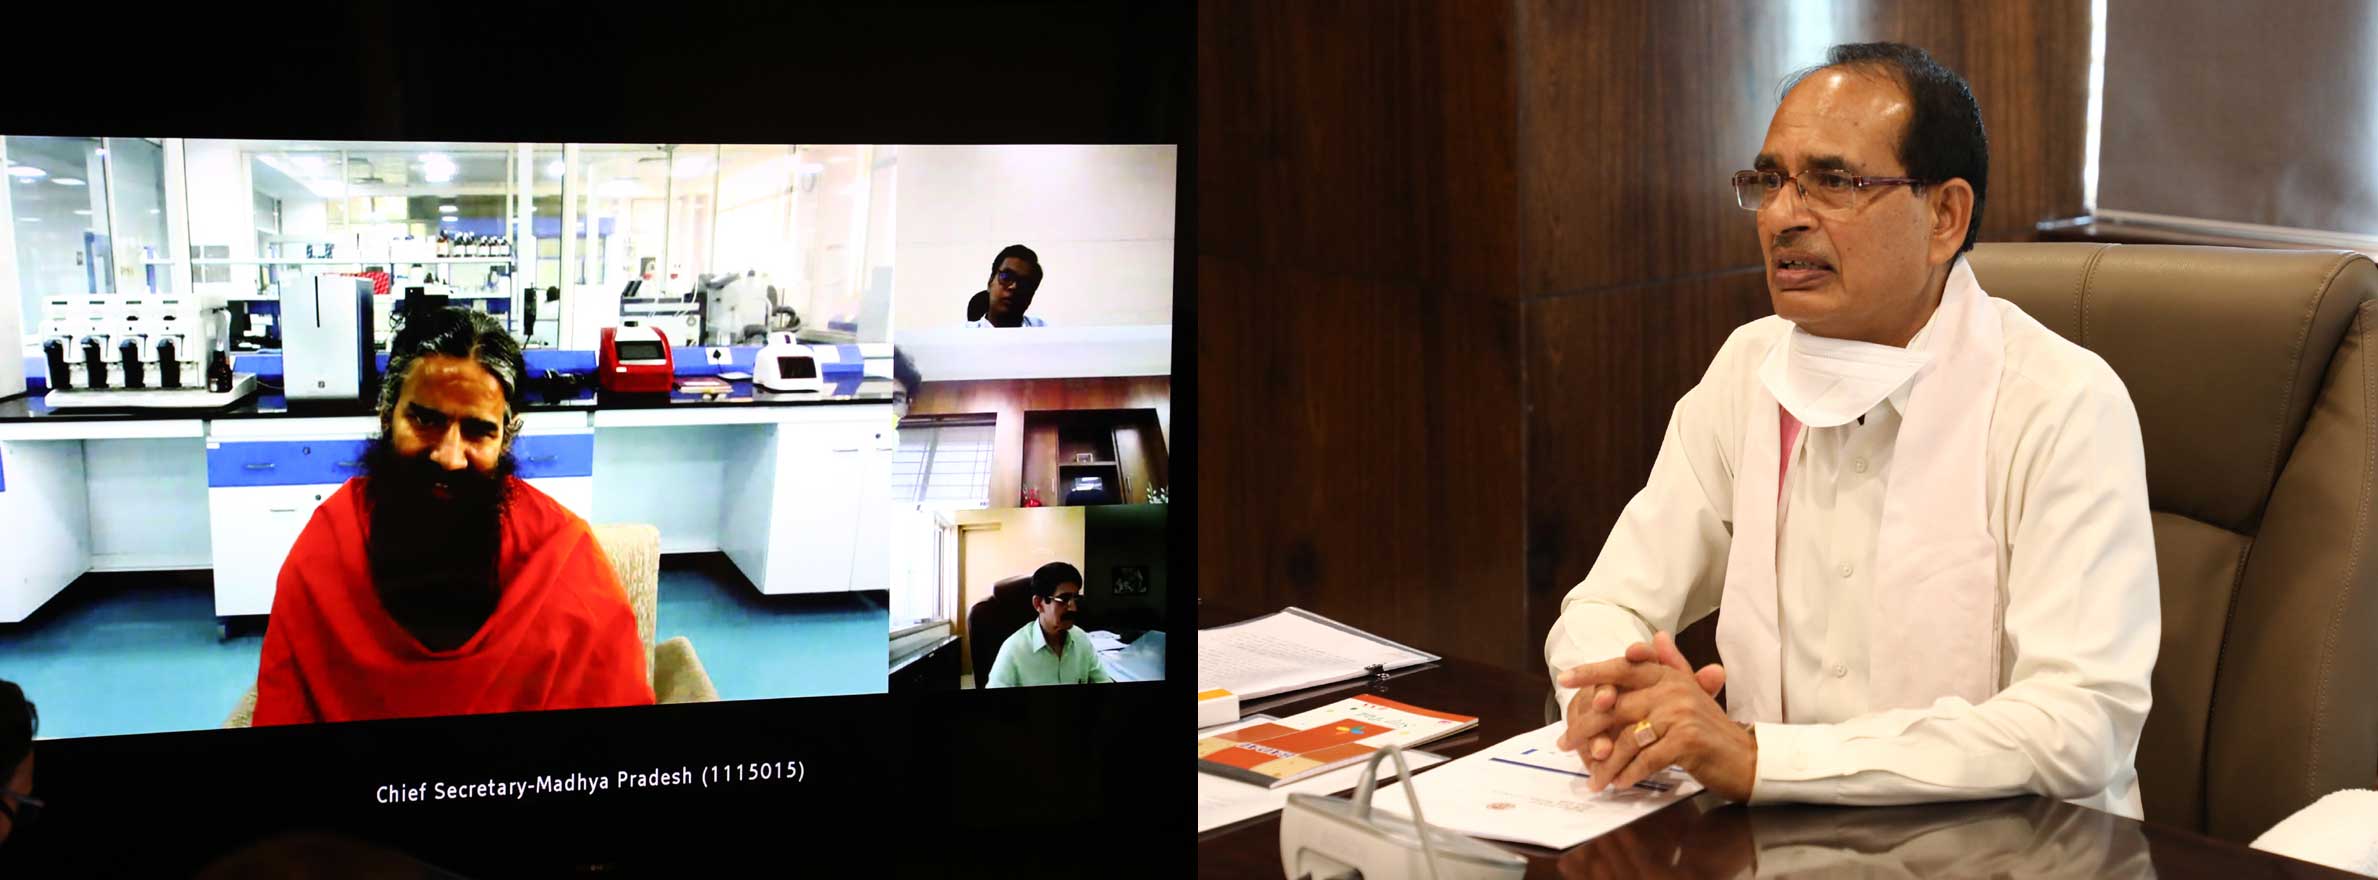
[264,479]
[254,527]
[44,515]
[809,504]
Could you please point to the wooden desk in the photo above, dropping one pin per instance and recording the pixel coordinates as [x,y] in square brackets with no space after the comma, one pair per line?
[1706,837]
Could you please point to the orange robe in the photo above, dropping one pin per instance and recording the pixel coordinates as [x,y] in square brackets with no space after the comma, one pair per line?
[562,636]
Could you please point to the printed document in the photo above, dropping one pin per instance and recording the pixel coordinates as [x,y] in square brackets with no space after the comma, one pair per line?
[1526,790]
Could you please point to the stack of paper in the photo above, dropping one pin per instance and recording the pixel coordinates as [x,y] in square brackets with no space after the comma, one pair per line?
[1104,641]
[1142,660]
[1291,650]
[1526,790]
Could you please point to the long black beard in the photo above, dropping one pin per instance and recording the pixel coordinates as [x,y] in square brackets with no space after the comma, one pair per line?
[434,561]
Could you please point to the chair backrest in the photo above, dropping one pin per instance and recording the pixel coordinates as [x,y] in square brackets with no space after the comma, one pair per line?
[2255,381]
[992,620]
[634,551]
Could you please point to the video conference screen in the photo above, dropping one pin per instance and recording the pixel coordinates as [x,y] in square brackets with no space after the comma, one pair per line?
[409,575]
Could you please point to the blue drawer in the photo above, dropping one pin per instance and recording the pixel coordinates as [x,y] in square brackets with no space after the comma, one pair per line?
[284,462]
[554,455]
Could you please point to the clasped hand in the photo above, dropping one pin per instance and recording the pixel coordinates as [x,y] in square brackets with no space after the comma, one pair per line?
[1655,683]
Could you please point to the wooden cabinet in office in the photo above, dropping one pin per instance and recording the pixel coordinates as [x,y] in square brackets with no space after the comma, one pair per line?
[1089,457]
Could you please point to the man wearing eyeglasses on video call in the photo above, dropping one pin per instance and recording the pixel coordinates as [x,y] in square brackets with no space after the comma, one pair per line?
[1015,277]
[1050,649]
[1923,513]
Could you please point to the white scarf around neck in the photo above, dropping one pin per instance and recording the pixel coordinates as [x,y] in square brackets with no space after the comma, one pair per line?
[1934,605]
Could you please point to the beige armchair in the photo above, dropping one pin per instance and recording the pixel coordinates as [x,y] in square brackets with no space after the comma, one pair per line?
[2256,384]
[635,554]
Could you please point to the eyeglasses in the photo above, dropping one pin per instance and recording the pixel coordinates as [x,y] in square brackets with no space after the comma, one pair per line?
[1020,280]
[1067,598]
[1824,189]
[27,809]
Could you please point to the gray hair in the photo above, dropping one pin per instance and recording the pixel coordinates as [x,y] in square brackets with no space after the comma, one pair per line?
[456,331]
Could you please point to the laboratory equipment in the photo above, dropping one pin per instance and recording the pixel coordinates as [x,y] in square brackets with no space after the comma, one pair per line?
[636,360]
[679,316]
[787,366]
[144,350]
[742,309]
[326,344]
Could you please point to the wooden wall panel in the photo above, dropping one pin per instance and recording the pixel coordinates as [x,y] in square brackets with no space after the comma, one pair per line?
[1599,398]
[1635,112]
[1357,139]
[1360,447]
[1363,462]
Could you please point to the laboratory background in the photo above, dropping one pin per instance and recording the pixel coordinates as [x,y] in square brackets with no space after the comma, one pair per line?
[710,331]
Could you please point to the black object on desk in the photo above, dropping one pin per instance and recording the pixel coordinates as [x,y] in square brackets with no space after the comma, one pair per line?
[218,373]
[61,377]
[94,363]
[169,368]
[129,350]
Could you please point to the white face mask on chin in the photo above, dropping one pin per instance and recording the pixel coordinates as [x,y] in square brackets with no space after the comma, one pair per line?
[1825,382]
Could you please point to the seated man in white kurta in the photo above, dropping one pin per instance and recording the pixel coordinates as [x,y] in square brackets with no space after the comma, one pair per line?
[1923,514]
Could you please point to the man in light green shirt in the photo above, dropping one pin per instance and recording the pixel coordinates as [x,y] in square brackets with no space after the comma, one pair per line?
[1049,650]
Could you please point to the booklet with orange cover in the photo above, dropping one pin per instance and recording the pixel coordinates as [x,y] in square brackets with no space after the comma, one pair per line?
[1276,753]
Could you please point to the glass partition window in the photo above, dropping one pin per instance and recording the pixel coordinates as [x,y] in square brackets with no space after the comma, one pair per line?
[801,239]
[713,244]
[58,208]
[693,189]
[136,190]
[435,216]
[607,260]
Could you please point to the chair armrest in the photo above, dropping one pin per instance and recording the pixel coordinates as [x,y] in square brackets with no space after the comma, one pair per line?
[677,674]
[245,714]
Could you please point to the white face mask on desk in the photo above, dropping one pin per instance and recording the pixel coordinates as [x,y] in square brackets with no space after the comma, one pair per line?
[1825,382]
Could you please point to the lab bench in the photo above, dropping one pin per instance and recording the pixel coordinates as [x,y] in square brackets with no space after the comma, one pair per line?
[794,489]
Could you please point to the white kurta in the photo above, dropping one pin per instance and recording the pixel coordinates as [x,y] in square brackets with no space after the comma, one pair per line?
[2081,616]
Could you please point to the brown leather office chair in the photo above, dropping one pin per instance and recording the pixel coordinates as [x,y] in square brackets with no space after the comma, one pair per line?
[2256,381]
[992,620]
